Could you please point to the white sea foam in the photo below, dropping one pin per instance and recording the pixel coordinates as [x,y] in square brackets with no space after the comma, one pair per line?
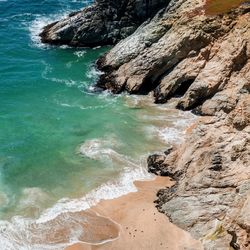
[37,25]
[185,121]
[41,21]
[110,190]
[21,233]
[97,148]
[106,150]
[64,46]
[80,53]
[175,132]
[24,234]
[171,135]
[93,73]
[67,105]
[48,69]
[83,86]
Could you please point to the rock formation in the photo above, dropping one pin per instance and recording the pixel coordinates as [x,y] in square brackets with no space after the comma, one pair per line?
[204,61]
[103,23]
[181,51]
[211,168]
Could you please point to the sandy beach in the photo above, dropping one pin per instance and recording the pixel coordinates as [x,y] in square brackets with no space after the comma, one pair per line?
[138,223]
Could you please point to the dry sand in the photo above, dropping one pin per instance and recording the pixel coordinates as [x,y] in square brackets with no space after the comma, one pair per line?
[137,225]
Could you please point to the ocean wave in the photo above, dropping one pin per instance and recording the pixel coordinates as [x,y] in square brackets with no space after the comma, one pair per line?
[48,70]
[78,106]
[65,217]
[93,73]
[175,132]
[104,149]
[20,15]
[84,86]
[80,53]
[113,189]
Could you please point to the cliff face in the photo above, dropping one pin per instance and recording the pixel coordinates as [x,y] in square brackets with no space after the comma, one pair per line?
[203,61]
[211,197]
[104,22]
[181,51]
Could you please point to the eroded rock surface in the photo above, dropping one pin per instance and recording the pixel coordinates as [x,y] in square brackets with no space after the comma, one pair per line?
[212,170]
[104,22]
[181,52]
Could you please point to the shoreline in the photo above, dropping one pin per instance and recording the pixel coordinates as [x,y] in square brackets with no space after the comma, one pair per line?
[132,213]
[207,65]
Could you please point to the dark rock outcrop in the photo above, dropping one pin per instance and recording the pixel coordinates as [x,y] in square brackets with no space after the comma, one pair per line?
[103,23]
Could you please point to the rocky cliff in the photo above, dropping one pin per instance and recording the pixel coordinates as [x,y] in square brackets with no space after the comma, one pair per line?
[203,61]
[211,197]
[103,23]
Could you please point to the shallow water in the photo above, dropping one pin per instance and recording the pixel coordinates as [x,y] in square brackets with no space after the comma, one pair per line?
[63,147]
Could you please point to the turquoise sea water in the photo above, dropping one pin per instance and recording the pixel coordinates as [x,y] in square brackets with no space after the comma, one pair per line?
[58,138]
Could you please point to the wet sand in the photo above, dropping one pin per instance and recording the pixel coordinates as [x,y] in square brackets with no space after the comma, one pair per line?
[137,225]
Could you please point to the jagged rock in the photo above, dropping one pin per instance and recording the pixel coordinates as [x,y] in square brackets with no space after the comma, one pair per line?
[182,52]
[104,22]
[211,195]
[185,73]
[155,164]
[203,60]
[230,57]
